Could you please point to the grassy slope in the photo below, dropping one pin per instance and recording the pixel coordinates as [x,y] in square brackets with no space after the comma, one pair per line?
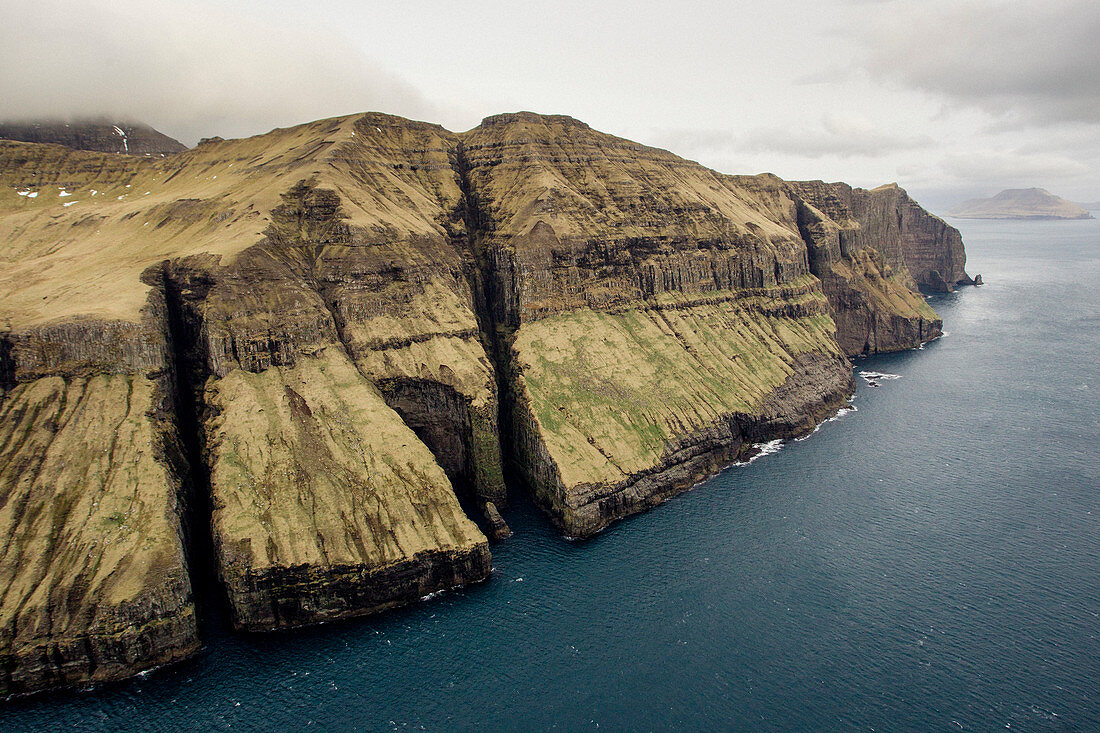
[310,466]
[610,391]
[613,376]
[89,523]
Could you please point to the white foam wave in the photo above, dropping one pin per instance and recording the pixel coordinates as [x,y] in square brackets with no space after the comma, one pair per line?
[765,449]
[876,376]
[839,414]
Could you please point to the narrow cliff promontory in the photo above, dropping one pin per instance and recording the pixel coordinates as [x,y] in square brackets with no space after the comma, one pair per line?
[653,316]
[93,581]
[341,378]
[904,234]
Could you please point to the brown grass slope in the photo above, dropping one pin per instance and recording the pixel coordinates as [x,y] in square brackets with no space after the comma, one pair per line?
[321,299]
[652,310]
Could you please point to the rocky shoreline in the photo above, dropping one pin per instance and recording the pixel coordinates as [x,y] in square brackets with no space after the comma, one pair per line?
[338,335]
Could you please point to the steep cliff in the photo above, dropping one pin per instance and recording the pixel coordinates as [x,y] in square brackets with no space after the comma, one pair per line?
[648,312]
[93,582]
[338,323]
[897,227]
[857,249]
[326,503]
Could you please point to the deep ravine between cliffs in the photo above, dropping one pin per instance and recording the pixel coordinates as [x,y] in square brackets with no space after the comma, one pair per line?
[347,347]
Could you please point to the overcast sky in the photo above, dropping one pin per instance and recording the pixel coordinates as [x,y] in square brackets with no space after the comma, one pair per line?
[950,98]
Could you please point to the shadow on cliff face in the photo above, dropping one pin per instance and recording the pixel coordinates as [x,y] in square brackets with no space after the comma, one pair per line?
[297,275]
[188,358]
[439,416]
[7,366]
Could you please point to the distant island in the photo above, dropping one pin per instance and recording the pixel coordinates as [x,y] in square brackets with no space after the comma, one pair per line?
[1020,203]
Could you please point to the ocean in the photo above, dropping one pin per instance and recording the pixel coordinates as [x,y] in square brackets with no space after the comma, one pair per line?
[927,561]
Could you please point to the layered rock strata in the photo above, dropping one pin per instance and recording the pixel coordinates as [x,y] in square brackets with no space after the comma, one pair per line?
[875,304]
[326,503]
[648,309]
[343,319]
[889,221]
[93,580]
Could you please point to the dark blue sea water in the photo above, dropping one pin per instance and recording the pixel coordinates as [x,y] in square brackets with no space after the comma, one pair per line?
[928,562]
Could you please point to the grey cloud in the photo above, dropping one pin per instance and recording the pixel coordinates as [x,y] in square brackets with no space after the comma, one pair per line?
[833,136]
[1032,61]
[189,69]
[1012,167]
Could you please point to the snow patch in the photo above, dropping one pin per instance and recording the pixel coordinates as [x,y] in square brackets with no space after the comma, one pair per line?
[63,193]
[70,203]
[125,142]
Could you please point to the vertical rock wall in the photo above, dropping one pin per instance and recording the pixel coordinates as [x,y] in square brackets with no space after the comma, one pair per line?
[325,503]
[647,310]
[93,579]
[343,307]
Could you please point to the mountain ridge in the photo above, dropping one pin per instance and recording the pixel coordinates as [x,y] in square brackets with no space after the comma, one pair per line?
[98,134]
[336,331]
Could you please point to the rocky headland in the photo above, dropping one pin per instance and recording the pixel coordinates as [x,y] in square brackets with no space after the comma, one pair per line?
[325,343]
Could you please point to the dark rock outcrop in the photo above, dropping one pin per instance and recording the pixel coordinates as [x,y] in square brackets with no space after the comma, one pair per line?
[498,529]
[103,136]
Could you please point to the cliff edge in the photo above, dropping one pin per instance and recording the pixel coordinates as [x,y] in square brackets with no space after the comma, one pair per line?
[335,336]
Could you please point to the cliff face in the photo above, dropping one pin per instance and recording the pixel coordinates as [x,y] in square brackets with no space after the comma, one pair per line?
[857,249]
[92,570]
[338,352]
[327,321]
[905,235]
[103,136]
[647,308]
[326,503]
